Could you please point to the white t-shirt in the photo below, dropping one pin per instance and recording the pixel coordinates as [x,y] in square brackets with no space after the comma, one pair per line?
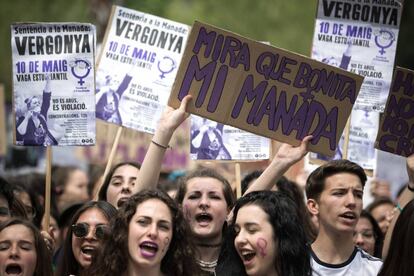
[359,263]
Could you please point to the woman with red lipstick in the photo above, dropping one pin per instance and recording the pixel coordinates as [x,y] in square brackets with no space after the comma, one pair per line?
[266,237]
[150,237]
[89,227]
[23,250]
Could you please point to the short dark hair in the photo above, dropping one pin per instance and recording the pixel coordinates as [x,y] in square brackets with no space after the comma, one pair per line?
[43,256]
[180,256]
[67,263]
[248,178]
[205,172]
[315,183]
[399,260]
[107,180]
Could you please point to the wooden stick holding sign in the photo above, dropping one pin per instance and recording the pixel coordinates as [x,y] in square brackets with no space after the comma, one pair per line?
[238,180]
[346,139]
[110,159]
[48,186]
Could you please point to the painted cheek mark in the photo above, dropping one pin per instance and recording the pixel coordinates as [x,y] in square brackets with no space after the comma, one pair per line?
[166,244]
[187,214]
[261,245]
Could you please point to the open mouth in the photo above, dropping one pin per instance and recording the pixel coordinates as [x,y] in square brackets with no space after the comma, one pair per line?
[349,216]
[148,249]
[204,217]
[14,269]
[247,255]
[88,250]
[122,201]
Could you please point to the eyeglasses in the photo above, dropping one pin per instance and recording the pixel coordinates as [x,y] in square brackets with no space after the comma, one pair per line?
[81,230]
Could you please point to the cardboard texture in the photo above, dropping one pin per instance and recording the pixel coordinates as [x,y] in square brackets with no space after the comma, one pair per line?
[265,90]
[396,132]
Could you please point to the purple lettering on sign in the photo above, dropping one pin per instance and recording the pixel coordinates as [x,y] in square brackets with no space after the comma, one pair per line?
[266,65]
[315,80]
[385,139]
[268,107]
[250,94]
[283,113]
[195,72]
[226,49]
[206,39]
[217,89]
[407,83]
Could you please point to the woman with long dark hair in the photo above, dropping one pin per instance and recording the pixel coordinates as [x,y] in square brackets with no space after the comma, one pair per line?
[266,237]
[149,237]
[89,228]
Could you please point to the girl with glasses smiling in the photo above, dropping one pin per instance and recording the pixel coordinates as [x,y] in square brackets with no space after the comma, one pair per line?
[88,229]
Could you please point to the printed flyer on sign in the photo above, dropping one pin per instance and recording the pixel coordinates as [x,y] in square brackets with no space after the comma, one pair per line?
[54,83]
[215,141]
[362,134]
[137,68]
[361,37]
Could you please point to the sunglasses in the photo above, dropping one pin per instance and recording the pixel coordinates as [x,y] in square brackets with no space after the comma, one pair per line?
[81,230]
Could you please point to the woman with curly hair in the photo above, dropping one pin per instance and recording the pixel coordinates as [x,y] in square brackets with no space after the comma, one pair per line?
[149,237]
[22,250]
[88,229]
[266,237]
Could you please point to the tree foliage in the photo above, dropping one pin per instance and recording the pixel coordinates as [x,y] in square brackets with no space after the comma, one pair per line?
[285,24]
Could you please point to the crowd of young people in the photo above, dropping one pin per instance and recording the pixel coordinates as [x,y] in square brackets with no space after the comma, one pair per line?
[137,229]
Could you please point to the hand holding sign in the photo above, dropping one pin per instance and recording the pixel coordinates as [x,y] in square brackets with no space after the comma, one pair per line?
[172,118]
[290,155]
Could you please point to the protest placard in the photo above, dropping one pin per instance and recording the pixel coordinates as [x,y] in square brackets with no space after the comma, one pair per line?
[396,132]
[360,139]
[3,140]
[214,141]
[137,67]
[364,128]
[54,83]
[361,37]
[267,91]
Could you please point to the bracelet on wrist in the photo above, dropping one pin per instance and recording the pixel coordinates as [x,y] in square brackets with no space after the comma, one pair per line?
[410,188]
[159,145]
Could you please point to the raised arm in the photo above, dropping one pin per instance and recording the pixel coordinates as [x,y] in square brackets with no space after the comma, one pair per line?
[406,196]
[286,156]
[151,166]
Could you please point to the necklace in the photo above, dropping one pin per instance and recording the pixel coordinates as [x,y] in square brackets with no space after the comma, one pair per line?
[207,266]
